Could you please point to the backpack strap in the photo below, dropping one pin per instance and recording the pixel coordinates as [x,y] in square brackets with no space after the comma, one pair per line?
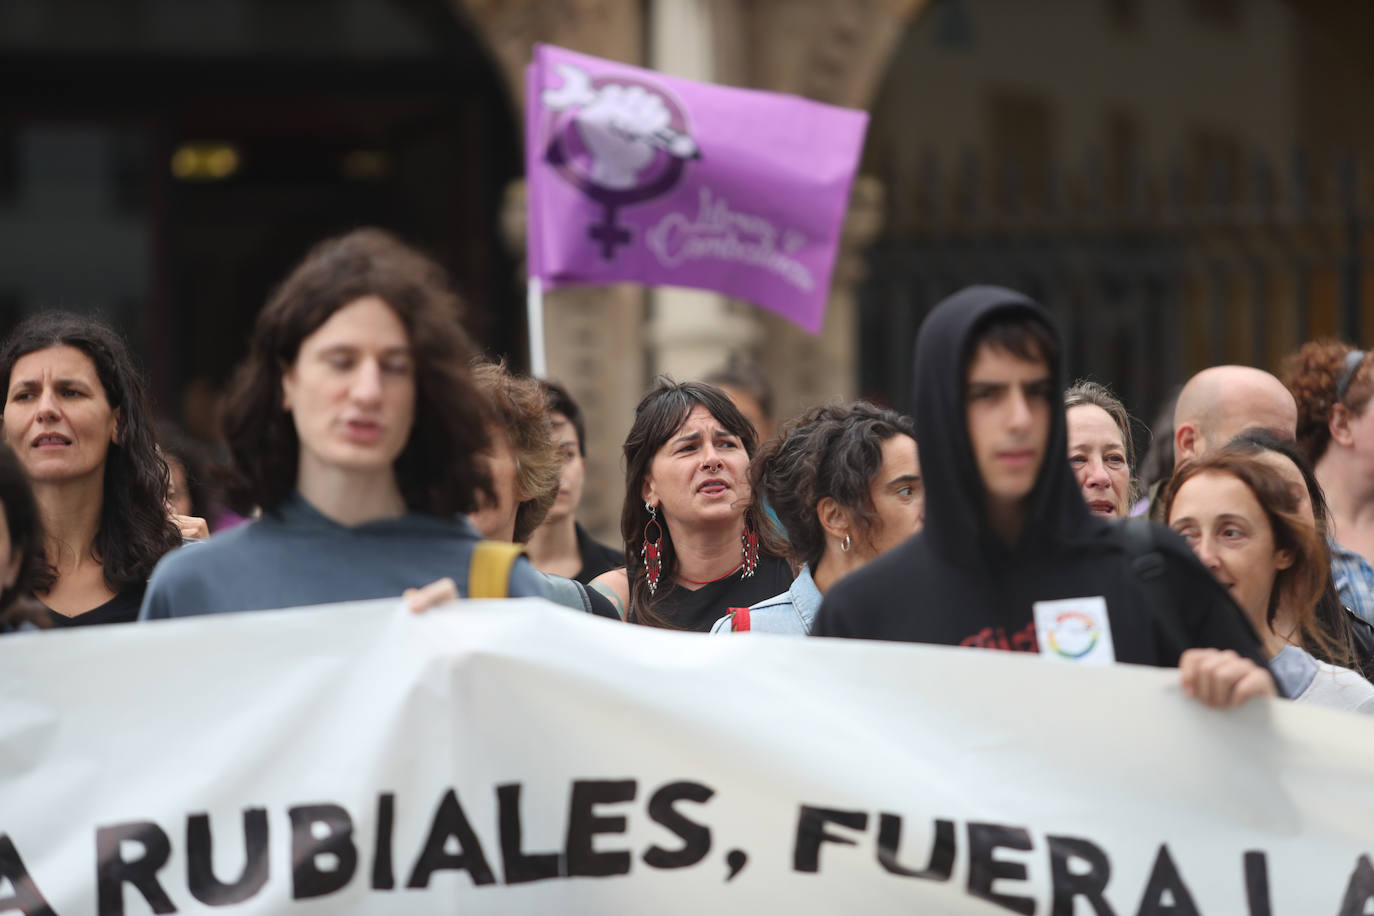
[489,569]
[739,619]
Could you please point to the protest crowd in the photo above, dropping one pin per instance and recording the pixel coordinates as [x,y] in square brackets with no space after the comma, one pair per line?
[371,452]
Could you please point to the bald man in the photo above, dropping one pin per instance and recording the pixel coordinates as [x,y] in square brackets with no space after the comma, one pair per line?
[1219,403]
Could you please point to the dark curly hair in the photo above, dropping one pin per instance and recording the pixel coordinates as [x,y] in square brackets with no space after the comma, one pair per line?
[832,450]
[26,539]
[440,470]
[135,530]
[659,415]
[1314,374]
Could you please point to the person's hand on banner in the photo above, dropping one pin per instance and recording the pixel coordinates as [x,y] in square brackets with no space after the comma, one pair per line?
[1223,679]
[426,597]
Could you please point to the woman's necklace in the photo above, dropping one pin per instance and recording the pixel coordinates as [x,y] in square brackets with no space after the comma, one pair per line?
[683,578]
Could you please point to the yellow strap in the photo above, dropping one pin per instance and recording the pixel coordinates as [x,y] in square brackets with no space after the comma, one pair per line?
[489,571]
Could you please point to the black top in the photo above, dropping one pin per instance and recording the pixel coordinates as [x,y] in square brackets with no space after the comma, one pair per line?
[957,583]
[122,608]
[700,609]
[597,558]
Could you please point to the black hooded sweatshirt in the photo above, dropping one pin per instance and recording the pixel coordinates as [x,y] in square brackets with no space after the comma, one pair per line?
[957,583]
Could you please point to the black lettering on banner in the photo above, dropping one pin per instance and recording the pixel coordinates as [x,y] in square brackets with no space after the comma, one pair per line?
[1257,884]
[383,878]
[200,871]
[811,833]
[308,878]
[584,824]
[517,866]
[941,864]
[26,898]
[450,821]
[983,868]
[1069,885]
[113,871]
[1165,879]
[1360,890]
[696,838]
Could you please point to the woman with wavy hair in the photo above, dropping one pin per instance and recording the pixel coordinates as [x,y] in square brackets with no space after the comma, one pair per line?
[1333,384]
[77,418]
[357,429]
[693,548]
[845,482]
[1249,527]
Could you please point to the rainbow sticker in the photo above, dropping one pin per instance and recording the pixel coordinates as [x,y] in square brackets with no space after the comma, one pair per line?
[1073,635]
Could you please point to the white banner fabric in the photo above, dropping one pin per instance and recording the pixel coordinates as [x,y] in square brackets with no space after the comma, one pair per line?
[513,757]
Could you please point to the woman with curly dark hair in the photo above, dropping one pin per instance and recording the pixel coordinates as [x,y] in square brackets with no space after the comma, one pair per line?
[693,548]
[845,481]
[77,418]
[1333,384]
[355,426]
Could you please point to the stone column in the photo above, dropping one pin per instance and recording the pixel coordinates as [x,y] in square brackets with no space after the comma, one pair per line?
[691,332]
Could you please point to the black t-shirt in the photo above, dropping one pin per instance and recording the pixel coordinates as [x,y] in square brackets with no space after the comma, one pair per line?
[700,609]
[122,608]
[597,558]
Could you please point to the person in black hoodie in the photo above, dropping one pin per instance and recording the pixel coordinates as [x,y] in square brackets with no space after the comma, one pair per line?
[1006,529]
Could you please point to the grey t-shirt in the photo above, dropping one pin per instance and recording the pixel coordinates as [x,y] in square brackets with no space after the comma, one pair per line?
[1309,680]
[296,556]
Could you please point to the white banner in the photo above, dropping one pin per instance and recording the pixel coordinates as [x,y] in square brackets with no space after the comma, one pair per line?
[511,757]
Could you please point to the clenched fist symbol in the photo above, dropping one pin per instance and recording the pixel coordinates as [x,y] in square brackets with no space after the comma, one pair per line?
[619,128]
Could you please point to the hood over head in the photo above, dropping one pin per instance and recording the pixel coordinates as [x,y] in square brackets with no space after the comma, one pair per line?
[956,521]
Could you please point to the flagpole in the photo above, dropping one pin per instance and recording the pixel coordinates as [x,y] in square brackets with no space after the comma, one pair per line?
[534,312]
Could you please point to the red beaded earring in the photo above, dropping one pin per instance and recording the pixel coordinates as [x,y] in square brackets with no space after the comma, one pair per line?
[749,541]
[652,551]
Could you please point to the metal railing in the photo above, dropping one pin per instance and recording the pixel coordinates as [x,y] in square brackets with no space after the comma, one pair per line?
[1151,278]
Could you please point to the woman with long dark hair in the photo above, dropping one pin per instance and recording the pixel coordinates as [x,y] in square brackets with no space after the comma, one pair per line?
[693,550]
[77,418]
[355,426]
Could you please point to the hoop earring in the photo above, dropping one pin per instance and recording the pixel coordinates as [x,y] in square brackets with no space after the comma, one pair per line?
[749,545]
[652,550]
[844,545]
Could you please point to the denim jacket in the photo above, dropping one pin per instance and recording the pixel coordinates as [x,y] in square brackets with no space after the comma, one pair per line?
[791,612]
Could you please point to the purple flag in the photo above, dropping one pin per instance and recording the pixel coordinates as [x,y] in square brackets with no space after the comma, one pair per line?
[633,175]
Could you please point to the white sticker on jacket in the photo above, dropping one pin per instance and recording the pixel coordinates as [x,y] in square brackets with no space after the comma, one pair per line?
[1075,630]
